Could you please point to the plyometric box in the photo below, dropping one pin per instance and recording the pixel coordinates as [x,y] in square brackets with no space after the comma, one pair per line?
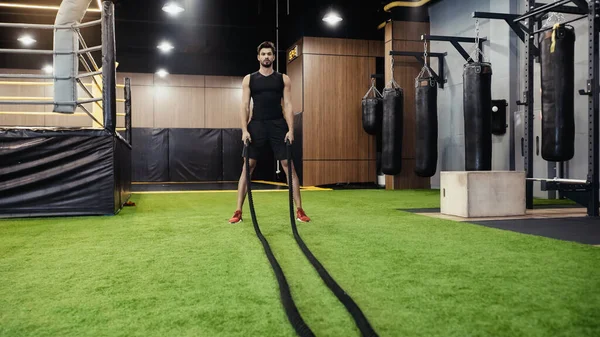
[473,194]
[63,172]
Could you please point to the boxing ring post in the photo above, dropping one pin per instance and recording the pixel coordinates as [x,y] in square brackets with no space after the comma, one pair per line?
[65,171]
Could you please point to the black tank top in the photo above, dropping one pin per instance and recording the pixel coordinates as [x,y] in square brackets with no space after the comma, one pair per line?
[266,93]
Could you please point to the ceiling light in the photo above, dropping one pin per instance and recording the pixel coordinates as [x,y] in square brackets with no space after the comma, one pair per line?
[165,46]
[162,73]
[332,18]
[172,8]
[48,69]
[27,40]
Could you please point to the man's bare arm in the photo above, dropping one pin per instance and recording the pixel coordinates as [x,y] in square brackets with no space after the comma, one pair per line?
[245,108]
[288,111]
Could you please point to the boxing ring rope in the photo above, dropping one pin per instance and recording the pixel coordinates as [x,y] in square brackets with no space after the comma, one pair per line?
[103,80]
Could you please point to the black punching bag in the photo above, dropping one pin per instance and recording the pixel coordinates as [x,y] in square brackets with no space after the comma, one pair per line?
[557,49]
[477,108]
[371,114]
[391,137]
[426,127]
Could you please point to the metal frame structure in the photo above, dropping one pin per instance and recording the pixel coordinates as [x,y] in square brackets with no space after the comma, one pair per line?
[584,192]
[419,56]
[455,41]
[108,71]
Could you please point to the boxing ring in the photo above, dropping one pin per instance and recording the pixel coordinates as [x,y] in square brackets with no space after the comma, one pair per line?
[68,170]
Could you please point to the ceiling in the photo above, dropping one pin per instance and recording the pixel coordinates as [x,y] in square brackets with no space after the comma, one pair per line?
[211,37]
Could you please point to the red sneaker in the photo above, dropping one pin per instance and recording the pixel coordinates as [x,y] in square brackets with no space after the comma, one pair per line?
[301,216]
[237,217]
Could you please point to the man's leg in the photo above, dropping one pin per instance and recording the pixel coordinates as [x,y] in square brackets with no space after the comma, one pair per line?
[295,182]
[300,215]
[242,184]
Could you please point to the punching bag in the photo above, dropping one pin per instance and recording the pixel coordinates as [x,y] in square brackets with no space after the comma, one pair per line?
[371,114]
[557,49]
[477,108]
[426,127]
[391,133]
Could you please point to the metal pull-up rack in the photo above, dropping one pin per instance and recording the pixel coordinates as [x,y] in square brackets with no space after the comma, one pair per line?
[584,192]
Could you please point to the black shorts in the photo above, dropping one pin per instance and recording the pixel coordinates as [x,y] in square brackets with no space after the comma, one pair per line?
[268,131]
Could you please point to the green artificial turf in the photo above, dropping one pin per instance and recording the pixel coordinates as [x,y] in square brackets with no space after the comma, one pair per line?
[173,266]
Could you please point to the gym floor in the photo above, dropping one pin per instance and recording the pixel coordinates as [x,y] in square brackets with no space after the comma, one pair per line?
[172,265]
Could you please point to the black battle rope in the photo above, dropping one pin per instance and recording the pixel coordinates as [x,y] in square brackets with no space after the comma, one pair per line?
[361,321]
[302,329]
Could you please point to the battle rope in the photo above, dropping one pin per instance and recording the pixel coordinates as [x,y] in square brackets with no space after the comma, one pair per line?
[361,321]
[302,329]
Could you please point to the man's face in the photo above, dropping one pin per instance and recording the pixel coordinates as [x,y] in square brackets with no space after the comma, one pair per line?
[266,57]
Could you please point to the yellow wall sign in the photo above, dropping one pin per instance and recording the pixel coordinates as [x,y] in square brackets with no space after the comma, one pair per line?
[293,53]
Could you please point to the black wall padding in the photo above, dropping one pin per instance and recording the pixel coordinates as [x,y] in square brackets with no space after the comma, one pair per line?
[426,147]
[477,106]
[232,154]
[557,81]
[150,157]
[195,155]
[56,174]
[123,173]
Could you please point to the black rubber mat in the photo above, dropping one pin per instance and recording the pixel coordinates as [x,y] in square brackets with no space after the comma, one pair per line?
[215,186]
[437,210]
[578,229]
[353,186]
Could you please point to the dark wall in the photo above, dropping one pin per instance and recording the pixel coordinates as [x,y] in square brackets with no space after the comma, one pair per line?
[185,155]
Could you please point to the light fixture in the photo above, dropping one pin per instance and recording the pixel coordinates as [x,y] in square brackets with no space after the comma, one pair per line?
[165,46]
[27,40]
[172,8]
[162,73]
[54,8]
[48,69]
[332,18]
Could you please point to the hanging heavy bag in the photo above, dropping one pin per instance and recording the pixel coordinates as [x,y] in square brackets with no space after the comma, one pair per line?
[557,55]
[477,108]
[426,126]
[372,109]
[392,130]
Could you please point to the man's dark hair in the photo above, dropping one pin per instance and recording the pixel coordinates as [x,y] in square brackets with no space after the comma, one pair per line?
[266,44]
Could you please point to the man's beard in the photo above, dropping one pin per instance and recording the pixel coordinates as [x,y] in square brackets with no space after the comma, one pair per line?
[267,63]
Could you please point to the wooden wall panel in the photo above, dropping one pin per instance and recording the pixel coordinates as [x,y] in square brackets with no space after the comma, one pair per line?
[388,32]
[376,48]
[296,77]
[10,92]
[179,81]
[223,107]
[142,106]
[234,82]
[332,119]
[172,101]
[178,107]
[332,46]
[136,78]
[404,30]
[331,172]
